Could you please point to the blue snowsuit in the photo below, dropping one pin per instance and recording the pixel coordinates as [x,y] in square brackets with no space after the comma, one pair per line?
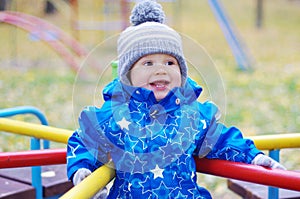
[152,143]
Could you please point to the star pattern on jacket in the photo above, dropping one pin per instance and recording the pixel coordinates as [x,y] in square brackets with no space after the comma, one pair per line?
[118,137]
[172,149]
[158,172]
[124,123]
[180,195]
[153,153]
[175,138]
[73,151]
[162,190]
[193,115]
[133,143]
[138,165]
[144,185]
[204,124]
[155,128]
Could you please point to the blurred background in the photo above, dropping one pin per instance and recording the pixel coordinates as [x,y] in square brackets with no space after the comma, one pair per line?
[55,55]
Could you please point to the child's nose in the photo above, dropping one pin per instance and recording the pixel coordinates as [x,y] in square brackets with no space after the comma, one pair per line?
[160,70]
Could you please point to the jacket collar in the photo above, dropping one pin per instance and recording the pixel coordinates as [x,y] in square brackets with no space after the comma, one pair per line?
[121,93]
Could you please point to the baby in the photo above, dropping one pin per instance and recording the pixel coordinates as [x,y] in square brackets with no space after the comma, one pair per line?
[151,125]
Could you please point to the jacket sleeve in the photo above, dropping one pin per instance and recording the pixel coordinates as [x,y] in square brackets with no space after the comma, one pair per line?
[87,147]
[78,156]
[225,143]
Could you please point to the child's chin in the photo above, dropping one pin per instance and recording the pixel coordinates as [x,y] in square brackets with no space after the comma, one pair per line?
[160,96]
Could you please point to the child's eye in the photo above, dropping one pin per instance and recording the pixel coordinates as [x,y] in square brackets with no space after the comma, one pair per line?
[170,63]
[148,63]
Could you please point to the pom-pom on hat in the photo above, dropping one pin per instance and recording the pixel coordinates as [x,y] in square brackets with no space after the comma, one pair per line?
[148,35]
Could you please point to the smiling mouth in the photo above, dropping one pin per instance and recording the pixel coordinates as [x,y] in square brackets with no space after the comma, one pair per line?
[161,85]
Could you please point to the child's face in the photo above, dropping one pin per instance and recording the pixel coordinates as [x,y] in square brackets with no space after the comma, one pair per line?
[156,72]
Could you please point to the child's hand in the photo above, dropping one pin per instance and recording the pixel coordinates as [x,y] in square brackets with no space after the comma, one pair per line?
[83,173]
[266,161]
[80,175]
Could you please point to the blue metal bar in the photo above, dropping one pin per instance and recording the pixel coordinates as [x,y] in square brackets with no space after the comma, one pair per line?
[36,171]
[36,178]
[242,58]
[8,112]
[274,192]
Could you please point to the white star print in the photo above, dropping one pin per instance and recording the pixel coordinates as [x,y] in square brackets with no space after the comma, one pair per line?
[155,130]
[145,190]
[142,139]
[173,120]
[178,137]
[190,115]
[138,107]
[165,150]
[138,165]
[129,186]
[73,151]
[178,179]
[162,188]
[204,124]
[119,136]
[124,123]
[143,119]
[176,143]
[235,154]
[130,141]
[193,133]
[180,195]
[192,191]
[157,172]
[193,175]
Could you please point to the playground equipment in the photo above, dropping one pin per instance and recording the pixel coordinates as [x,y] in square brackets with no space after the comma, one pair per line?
[108,23]
[71,50]
[40,31]
[250,173]
[57,156]
[36,171]
[246,172]
[34,142]
[33,158]
[242,57]
[63,44]
[239,50]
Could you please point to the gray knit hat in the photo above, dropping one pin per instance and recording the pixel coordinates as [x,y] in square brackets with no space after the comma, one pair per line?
[148,35]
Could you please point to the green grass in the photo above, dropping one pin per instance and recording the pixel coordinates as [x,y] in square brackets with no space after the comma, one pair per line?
[264,101]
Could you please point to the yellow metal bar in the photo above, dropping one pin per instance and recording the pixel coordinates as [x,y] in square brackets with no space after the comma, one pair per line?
[279,141]
[94,182]
[262,142]
[35,130]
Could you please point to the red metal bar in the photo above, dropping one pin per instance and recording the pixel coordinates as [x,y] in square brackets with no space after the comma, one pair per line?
[250,173]
[240,171]
[32,158]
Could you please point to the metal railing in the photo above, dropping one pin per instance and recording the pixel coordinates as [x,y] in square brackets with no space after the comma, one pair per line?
[34,142]
[272,177]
